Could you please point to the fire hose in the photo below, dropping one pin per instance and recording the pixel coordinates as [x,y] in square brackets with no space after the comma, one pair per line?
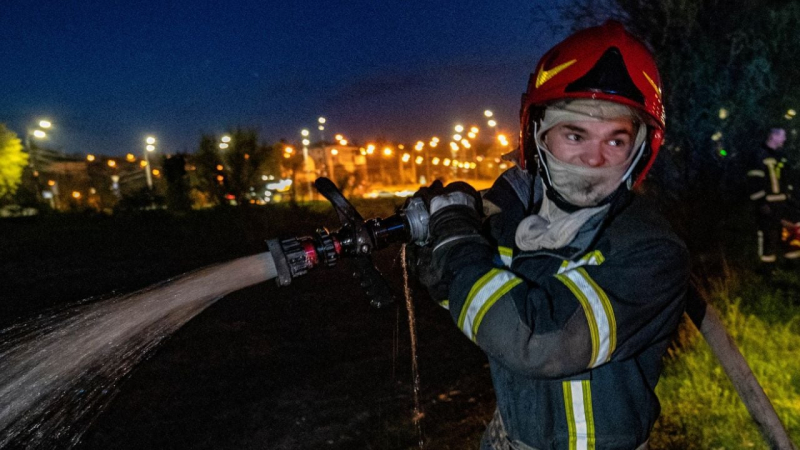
[358,238]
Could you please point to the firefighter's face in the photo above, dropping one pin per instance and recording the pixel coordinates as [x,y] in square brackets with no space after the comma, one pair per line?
[592,143]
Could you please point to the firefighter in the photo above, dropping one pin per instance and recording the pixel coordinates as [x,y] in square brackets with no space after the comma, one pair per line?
[770,191]
[571,284]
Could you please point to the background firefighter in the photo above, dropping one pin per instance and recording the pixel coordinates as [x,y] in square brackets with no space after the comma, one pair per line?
[770,187]
[571,285]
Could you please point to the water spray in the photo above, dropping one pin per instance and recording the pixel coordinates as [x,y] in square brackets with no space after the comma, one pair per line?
[357,238]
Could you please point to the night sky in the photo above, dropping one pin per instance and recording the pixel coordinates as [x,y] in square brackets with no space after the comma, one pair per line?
[108,73]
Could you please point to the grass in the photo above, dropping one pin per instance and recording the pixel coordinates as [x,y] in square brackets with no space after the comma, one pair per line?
[700,408]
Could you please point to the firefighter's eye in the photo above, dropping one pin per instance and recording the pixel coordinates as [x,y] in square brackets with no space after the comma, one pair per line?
[618,142]
[574,137]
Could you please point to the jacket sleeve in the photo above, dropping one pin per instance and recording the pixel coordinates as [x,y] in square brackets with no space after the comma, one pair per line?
[577,319]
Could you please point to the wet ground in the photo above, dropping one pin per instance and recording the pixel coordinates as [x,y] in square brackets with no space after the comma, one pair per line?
[311,365]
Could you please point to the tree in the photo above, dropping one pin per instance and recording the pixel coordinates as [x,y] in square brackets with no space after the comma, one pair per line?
[177,183]
[236,171]
[12,162]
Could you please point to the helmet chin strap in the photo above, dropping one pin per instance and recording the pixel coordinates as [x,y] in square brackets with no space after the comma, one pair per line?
[627,176]
[542,161]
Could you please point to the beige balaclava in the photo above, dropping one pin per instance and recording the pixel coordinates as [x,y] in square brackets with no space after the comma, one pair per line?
[585,187]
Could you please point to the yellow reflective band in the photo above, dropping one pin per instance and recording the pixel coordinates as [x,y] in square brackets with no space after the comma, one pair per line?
[579,414]
[652,83]
[776,197]
[546,75]
[599,314]
[484,293]
[594,258]
[773,174]
[756,173]
[507,286]
[587,310]
[445,304]
[506,255]
[758,195]
[612,320]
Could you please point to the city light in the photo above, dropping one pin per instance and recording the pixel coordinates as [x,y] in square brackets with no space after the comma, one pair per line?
[150,147]
[716,136]
[387,151]
[39,134]
[474,130]
[419,160]
[334,152]
[112,163]
[51,182]
[434,139]
[150,140]
[306,142]
[363,151]
[223,145]
[142,164]
[321,120]
[435,161]
[321,127]
[226,139]
[304,132]
[418,147]
[287,155]
[503,140]
[156,172]
[45,124]
[457,137]
[90,158]
[370,149]
[130,157]
[446,162]
[454,146]
[492,123]
[459,128]
[220,178]
[406,157]
[465,143]
[342,141]
[488,113]
[338,137]
[76,194]
[723,113]
[288,150]
[471,135]
[433,144]
[791,112]
[219,167]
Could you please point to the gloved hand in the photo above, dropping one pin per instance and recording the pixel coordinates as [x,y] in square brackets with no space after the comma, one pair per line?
[455,219]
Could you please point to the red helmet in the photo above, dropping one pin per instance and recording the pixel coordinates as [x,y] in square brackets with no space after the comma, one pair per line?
[605,63]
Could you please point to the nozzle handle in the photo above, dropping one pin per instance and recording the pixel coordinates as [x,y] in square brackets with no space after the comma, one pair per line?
[373,282]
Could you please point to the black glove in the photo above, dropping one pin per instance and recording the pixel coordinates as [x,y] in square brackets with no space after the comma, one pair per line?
[455,218]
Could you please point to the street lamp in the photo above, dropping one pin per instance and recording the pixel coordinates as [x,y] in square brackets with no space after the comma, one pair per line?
[150,147]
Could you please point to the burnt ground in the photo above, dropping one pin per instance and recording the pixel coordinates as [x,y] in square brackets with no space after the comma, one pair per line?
[310,365]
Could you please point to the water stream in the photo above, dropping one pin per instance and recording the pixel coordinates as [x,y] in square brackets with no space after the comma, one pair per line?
[412,328]
[59,371]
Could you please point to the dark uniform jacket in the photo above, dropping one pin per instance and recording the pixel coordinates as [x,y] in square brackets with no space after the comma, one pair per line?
[575,336]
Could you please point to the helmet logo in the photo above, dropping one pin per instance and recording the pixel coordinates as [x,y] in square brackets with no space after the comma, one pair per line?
[652,83]
[546,75]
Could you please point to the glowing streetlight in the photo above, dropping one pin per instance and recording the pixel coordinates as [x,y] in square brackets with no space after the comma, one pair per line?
[226,139]
[90,158]
[406,157]
[474,130]
[338,137]
[387,151]
[39,134]
[459,128]
[45,124]
[342,141]
[492,123]
[370,149]
[457,137]
[419,146]
[418,160]
[334,152]
[306,142]
[454,146]
[130,158]
[150,147]
[304,132]
[112,163]
[488,113]
[321,120]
